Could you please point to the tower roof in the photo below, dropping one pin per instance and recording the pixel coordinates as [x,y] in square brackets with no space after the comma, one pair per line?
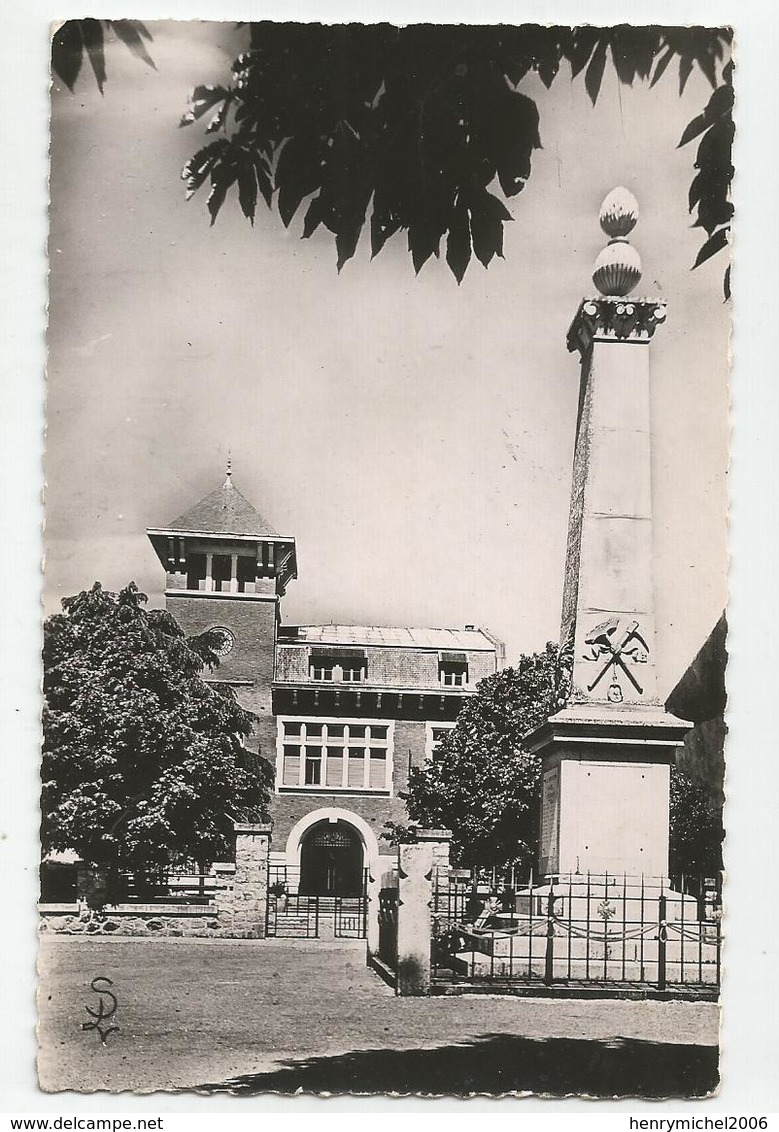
[224,512]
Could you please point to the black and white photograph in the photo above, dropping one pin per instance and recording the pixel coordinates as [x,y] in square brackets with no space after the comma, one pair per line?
[385,595]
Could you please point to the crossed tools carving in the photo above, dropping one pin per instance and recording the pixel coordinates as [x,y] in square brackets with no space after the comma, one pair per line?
[616,657]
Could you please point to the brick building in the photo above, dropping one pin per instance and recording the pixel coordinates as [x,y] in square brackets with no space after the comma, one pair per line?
[342,711]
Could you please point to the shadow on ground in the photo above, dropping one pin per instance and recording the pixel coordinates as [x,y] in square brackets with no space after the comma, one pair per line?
[499,1063]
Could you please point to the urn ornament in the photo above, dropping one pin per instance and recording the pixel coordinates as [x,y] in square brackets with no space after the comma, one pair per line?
[617,268]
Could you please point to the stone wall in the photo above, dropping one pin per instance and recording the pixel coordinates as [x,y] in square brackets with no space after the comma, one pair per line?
[134,920]
[237,910]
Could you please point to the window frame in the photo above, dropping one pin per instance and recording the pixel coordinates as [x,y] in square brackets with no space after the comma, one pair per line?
[326,664]
[430,727]
[303,742]
[453,668]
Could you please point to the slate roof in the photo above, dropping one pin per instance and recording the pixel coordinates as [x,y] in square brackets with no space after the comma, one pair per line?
[462,639]
[224,512]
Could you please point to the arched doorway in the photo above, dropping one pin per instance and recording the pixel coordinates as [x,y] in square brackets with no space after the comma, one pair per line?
[331,860]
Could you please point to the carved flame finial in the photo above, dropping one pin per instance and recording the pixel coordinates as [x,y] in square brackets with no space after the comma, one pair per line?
[618,267]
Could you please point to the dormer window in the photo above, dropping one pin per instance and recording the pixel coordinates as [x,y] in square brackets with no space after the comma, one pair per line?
[453,669]
[338,666]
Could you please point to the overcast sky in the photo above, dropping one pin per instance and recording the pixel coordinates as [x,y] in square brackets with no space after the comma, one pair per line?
[414,436]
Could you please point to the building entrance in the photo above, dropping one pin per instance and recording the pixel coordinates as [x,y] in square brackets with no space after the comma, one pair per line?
[331,861]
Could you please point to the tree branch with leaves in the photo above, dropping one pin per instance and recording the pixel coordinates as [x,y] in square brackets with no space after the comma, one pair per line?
[421,130]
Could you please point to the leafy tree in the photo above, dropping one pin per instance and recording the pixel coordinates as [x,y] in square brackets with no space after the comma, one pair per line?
[483,783]
[142,759]
[696,828]
[419,129]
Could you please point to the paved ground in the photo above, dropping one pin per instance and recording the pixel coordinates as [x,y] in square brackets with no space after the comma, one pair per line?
[279,1016]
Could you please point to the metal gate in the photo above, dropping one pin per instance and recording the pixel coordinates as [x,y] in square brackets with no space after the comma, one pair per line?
[350,919]
[293,917]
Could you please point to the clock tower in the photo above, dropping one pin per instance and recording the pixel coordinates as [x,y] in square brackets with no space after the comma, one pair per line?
[226,571]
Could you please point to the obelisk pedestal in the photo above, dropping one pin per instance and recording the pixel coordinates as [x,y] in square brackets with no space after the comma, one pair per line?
[607,750]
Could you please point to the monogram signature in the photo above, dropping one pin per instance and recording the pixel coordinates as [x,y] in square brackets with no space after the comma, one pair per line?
[102,1015]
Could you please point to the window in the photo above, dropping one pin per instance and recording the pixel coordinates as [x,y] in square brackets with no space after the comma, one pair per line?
[338,667]
[222,573]
[453,674]
[247,574]
[453,669]
[335,755]
[436,732]
[196,571]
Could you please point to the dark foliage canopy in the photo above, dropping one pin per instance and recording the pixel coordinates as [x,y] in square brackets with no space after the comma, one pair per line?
[143,761]
[419,129]
[696,829]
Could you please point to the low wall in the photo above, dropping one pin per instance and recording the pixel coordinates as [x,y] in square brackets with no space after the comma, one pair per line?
[237,910]
[135,920]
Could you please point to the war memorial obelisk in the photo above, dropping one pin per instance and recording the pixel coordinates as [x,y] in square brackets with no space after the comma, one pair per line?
[606,752]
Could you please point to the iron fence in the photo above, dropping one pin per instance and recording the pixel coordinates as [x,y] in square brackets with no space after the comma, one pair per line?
[169,885]
[388,927]
[583,928]
[350,917]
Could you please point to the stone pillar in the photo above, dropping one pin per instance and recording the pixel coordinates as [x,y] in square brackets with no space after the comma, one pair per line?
[417,863]
[607,752]
[250,886]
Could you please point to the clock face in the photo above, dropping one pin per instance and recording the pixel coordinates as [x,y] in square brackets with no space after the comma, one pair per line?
[222,640]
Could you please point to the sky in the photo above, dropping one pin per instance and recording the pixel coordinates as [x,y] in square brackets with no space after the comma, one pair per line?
[414,436]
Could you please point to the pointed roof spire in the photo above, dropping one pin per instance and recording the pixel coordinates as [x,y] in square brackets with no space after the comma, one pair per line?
[224,512]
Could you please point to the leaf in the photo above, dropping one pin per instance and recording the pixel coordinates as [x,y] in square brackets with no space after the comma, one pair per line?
[132,33]
[383,226]
[662,64]
[488,215]
[92,34]
[200,165]
[547,70]
[298,174]
[247,190]
[594,75]
[67,51]
[263,178]
[696,188]
[693,128]
[624,55]
[202,99]
[346,242]
[713,245]
[313,218]
[458,245]
[726,283]
[685,70]
[510,134]
[720,104]
[222,177]
[217,121]
[584,40]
